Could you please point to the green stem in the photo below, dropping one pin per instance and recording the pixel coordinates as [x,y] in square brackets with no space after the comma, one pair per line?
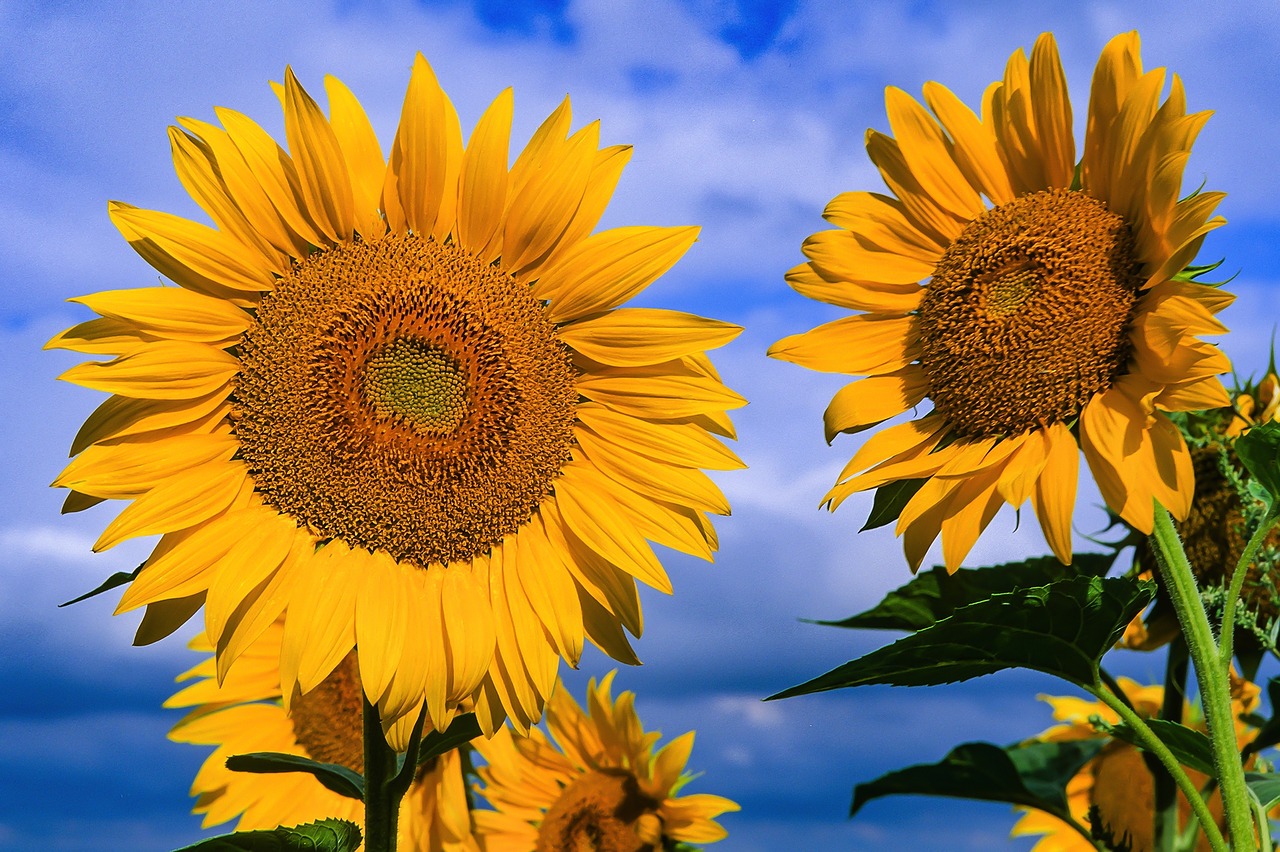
[1166,792]
[1153,744]
[1211,675]
[381,807]
[1237,580]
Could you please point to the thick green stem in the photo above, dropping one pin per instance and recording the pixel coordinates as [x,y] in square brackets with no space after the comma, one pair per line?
[1166,791]
[1211,675]
[1237,581]
[381,805]
[1153,744]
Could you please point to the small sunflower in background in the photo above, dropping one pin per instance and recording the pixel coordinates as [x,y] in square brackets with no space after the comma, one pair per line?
[397,400]
[1223,516]
[1055,314]
[245,714]
[599,785]
[1116,787]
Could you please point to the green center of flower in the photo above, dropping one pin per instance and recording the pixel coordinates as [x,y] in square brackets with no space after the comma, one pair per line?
[419,383]
[596,813]
[1027,314]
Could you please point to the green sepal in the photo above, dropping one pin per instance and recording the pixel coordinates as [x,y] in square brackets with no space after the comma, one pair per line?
[462,730]
[1191,747]
[326,835]
[890,500]
[1033,775]
[1193,271]
[1062,629]
[1259,451]
[334,776]
[938,593]
[1264,785]
[115,581]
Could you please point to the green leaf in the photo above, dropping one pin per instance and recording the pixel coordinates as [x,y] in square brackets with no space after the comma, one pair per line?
[1034,775]
[890,500]
[1266,786]
[1191,747]
[936,594]
[1259,451]
[114,581]
[462,730]
[326,835]
[1062,629]
[338,778]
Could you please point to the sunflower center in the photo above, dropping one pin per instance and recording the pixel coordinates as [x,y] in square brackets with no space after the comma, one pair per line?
[327,720]
[596,813]
[403,395]
[419,383]
[1027,314]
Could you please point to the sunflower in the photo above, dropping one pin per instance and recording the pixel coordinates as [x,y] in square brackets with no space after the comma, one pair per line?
[245,714]
[604,787]
[397,400]
[1057,314]
[1117,782]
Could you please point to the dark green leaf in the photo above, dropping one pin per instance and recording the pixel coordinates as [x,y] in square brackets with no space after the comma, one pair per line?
[1192,748]
[114,581]
[890,500]
[1062,629]
[937,593]
[1266,786]
[326,835]
[335,777]
[462,730]
[1034,775]
[1259,451]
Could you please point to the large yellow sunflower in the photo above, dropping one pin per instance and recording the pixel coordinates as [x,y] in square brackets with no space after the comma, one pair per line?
[603,787]
[397,400]
[1049,317]
[1117,781]
[245,714]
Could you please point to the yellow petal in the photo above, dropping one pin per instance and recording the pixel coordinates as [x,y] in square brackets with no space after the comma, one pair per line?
[469,630]
[1054,497]
[858,296]
[123,471]
[939,225]
[104,336]
[657,395]
[608,268]
[853,257]
[322,170]
[187,499]
[974,144]
[866,344]
[679,485]
[641,336]
[673,443]
[163,618]
[258,613]
[163,370]
[121,416]
[1118,69]
[420,163]
[381,615]
[606,170]
[1052,113]
[612,588]
[250,562]
[867,402]
[926,152]
[482,182]
[550,589]
[366,168]
[319,627]
[171,312]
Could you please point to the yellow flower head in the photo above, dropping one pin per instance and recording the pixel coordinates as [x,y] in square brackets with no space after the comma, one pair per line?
[397,400]
[1117,781]
[245,714]
[1052,315]
[600,785]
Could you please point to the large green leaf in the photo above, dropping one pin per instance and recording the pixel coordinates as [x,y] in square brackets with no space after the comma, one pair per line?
[114,581]
[462,729]
[338,778]
[327,835]
[1259,451]
[1062,629]
[1034,775]
[937,593]
[1191,747]
[1266,786]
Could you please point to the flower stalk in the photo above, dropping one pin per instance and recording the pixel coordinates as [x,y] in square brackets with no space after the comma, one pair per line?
[1212,675]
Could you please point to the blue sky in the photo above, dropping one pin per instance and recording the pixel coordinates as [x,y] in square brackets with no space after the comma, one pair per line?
[746,118]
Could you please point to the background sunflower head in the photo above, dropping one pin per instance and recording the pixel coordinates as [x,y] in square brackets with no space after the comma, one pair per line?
[597,778]
[1034,296]
[397,400]
[245,714]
